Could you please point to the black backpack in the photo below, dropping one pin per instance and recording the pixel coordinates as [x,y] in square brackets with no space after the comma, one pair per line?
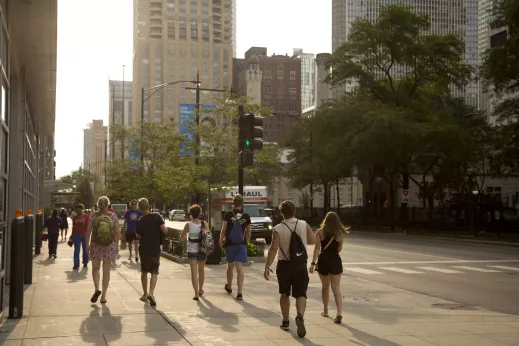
[297,249]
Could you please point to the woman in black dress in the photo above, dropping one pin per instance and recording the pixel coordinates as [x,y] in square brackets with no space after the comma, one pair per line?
[64,224]
[329,263]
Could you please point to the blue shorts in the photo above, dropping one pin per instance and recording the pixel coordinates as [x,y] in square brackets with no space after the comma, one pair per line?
[236,253]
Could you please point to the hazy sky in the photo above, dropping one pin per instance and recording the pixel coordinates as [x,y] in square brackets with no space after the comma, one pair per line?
[95,41]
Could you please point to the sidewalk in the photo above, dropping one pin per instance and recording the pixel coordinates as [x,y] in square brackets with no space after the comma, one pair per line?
[58,312]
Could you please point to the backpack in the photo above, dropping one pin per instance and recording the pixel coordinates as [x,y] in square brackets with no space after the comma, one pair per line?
[103,230]
[236,235]
[206,241]
[297,249]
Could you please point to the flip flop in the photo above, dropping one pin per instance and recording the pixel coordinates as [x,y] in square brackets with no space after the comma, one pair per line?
[324,315]
[102,301]
[195,298]
[95,297]
[201,293]
[338,319]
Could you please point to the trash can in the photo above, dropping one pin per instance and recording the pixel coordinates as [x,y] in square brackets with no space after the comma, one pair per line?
[216,256]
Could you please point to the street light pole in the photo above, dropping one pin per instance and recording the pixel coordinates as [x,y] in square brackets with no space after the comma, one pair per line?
[113,120]
[142,126]
[122,119]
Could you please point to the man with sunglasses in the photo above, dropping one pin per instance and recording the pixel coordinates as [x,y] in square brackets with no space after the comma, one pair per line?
[130,228]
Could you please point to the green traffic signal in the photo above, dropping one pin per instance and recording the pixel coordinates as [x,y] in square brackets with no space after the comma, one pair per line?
[247,142]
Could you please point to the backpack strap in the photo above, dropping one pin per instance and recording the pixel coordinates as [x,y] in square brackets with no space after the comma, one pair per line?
[280,247]
[326,247]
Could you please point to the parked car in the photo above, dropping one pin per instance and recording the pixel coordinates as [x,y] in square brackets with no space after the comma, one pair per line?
[177,215]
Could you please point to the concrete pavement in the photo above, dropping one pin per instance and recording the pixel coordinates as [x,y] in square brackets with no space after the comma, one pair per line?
[58,312]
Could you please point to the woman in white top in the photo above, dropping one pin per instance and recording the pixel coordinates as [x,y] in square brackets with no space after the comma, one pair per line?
[192,233]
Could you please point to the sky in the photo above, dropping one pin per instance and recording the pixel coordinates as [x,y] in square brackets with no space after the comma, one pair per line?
[95,40]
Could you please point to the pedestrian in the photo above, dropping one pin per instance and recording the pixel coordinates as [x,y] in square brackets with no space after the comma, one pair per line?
[79,227]
[53,225]
[130,228]
[102,240]
[329,240]
[289,242]
[193,233]
[150,228]
[64,223]
[235,235]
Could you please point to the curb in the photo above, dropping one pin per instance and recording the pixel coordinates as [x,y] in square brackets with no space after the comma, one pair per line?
[460,240]
[183,260]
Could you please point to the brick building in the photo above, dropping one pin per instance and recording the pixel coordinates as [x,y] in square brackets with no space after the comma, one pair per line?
[280,89]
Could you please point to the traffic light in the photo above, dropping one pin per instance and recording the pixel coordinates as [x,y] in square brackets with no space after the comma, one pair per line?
[250,136]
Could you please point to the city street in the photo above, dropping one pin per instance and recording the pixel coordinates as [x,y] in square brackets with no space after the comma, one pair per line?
[469,273]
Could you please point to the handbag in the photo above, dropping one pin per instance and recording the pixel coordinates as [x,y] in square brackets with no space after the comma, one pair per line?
[45,234]
[322,250]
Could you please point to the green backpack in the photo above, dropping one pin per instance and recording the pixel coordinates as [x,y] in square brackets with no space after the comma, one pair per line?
[103,229]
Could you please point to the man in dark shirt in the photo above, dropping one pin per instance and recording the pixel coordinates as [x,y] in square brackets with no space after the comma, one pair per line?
[130,224]
[236,252]
[149,228]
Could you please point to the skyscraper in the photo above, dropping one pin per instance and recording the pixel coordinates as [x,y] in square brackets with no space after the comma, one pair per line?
[94,150]
[119,97]
[175,39]
[458,17]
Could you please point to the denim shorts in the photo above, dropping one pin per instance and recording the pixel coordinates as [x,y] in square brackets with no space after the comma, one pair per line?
[236,253]
[196,256]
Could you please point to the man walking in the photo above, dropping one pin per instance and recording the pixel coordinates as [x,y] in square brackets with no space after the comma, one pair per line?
[130,228]
[79,227]
[149,228]
[235,235]
[289,241]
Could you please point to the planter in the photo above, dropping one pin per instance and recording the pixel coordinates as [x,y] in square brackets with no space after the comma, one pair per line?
[176,259]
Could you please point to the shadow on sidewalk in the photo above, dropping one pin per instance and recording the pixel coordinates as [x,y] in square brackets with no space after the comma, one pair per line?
[368,339]
[76,275]
[100,317]
[212,308]
[46,262]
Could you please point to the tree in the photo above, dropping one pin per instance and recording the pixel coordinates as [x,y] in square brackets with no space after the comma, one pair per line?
[402,79]
[86,196]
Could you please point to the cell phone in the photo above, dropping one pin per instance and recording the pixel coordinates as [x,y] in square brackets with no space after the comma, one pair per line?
[117,256]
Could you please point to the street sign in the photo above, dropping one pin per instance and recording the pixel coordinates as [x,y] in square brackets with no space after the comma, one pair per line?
[405,196]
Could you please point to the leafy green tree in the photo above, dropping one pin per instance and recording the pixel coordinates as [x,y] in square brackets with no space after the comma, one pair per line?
[86,196]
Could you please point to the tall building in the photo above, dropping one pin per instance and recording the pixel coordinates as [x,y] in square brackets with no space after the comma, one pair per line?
[458,17]
[95,150]
[175,39]
[120,112]
[280,89]
[307,77]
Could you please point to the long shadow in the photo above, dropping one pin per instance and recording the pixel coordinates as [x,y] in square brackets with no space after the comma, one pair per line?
[101,317]
[46,262]
[163,339]
[8,328]
[228,327]
[368,339]
[76,275]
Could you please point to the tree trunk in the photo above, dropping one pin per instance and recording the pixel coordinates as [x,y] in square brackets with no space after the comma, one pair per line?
[337,190]
[404,210]
[326,199]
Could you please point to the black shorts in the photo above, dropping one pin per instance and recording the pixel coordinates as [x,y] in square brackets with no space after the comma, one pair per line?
[327,265]
[130,237]
[292,279]
[150,263]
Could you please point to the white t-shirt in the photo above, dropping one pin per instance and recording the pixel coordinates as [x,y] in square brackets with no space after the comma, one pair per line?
[194,233]
[285,234]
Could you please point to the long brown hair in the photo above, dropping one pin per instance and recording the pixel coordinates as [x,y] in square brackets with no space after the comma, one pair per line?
[332,226]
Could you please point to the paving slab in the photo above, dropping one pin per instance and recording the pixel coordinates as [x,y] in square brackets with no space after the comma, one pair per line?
[57,311]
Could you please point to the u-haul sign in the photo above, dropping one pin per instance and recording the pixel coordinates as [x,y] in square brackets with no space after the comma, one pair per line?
[250,194]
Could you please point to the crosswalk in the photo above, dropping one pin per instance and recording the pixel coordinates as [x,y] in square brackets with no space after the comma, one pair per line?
[453,269]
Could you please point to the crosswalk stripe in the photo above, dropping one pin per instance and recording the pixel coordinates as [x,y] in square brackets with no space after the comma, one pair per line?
[440,270]
[363,271]
[505,268]
[481,270]
[400,270]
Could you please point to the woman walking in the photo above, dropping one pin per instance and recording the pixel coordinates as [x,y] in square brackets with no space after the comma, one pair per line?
[192,232]
[53,225]
[102,238]
[79,227]
[64,223]
[329,264]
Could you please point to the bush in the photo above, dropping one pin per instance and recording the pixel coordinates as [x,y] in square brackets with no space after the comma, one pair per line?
[253,250]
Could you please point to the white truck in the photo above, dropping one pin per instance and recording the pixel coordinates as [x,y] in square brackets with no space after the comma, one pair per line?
[255,201]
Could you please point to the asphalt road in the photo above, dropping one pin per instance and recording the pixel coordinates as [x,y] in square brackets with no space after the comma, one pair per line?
[474,274]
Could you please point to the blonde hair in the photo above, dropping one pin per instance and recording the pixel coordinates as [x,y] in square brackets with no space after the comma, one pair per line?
[144,204]
[237,200]
[332,226]
[103,202]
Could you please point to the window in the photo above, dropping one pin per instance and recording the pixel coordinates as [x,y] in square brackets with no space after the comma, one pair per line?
[281,74]
[292,74]
[291,105]
[292,91]
[267,74]
[281,90]
[281,105]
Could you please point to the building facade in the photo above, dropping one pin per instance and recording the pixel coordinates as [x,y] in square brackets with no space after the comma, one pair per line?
[280,90]
[28,41]
[120,113]
[173,41]
[96,151]
[308,81]
[458,17]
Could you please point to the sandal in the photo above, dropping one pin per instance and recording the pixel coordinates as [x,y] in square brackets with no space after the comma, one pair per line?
[324,315]
[95,297]
[338,319]
[102,301]
[195,298]
[228,288]
[200,293]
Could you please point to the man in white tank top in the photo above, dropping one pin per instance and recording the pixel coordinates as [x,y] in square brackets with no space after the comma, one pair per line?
[292,276]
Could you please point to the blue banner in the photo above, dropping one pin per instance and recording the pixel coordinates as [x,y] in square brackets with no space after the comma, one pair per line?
[186,126]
